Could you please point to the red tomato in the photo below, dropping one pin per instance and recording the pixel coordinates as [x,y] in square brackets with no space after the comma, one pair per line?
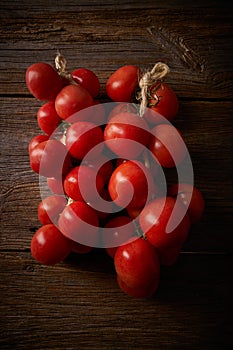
[103,165]
[169,256]
[83,184]
[50,208]
[121,229]
[167,145]
[191,197]
[43,81]
[82,137]
[142,291]
[80,248]
[103,209]
[137,264]
[71,99]
[164,224]
[124,128]
[87,79]
[122,107]
[55,185]
[122,84]
[131,185]
[80,223]
[50,159]
[163,101]
[47,118]
[36,140]
[49,246]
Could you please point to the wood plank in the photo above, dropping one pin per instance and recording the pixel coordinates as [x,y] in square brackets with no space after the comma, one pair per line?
[199,58]
[78,305]
[206,127]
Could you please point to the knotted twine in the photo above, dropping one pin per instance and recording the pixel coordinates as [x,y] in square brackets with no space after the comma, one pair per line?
[60,64]
[158,72]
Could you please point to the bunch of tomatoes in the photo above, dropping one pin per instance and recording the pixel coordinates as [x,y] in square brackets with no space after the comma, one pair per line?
[104,166]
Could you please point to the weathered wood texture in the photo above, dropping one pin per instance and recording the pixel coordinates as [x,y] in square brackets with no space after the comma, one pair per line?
[77,304]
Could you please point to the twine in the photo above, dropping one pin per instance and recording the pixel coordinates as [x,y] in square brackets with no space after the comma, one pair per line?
[60,64]
[158,72]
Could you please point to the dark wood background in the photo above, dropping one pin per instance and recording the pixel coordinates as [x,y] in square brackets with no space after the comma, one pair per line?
[77,304]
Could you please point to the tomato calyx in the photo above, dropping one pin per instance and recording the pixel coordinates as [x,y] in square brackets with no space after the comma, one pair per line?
[152,95]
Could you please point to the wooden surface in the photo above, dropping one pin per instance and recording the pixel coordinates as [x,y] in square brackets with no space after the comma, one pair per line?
[77,304]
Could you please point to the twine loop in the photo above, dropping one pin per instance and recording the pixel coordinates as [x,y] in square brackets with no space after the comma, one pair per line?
[158,72]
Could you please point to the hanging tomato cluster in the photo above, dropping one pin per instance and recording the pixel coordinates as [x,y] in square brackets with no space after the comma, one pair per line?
[103,164]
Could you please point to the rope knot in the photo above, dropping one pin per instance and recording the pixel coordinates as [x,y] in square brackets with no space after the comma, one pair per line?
[60,64]
[158,72]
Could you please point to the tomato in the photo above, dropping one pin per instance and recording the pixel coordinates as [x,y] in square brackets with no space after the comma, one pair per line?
[163,101]
[82,183]
[191,197]
[102,164]
[137,264]
[82,137]
[98,116]
[167,145]
[80,248]
[142,291]
[169,256]
[55,185]
[122,107]
[49,246]
[50,159]
[79,222]
[131,185]
[71,99]
[50,208]
[87,79]
[47,118]
[103,208]
[36,140]
[120,230]
[126,134]
[43,81]
[121,85]
[165,222]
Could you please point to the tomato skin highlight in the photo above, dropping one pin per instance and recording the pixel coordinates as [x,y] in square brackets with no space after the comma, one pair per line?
[137,264]
[43,81]
[80,223]
[122,83]
[47,118]
[87,79]
[49,246]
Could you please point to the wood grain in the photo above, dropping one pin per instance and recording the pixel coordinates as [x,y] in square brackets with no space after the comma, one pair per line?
[77,304]
[57,307]
[96,38]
